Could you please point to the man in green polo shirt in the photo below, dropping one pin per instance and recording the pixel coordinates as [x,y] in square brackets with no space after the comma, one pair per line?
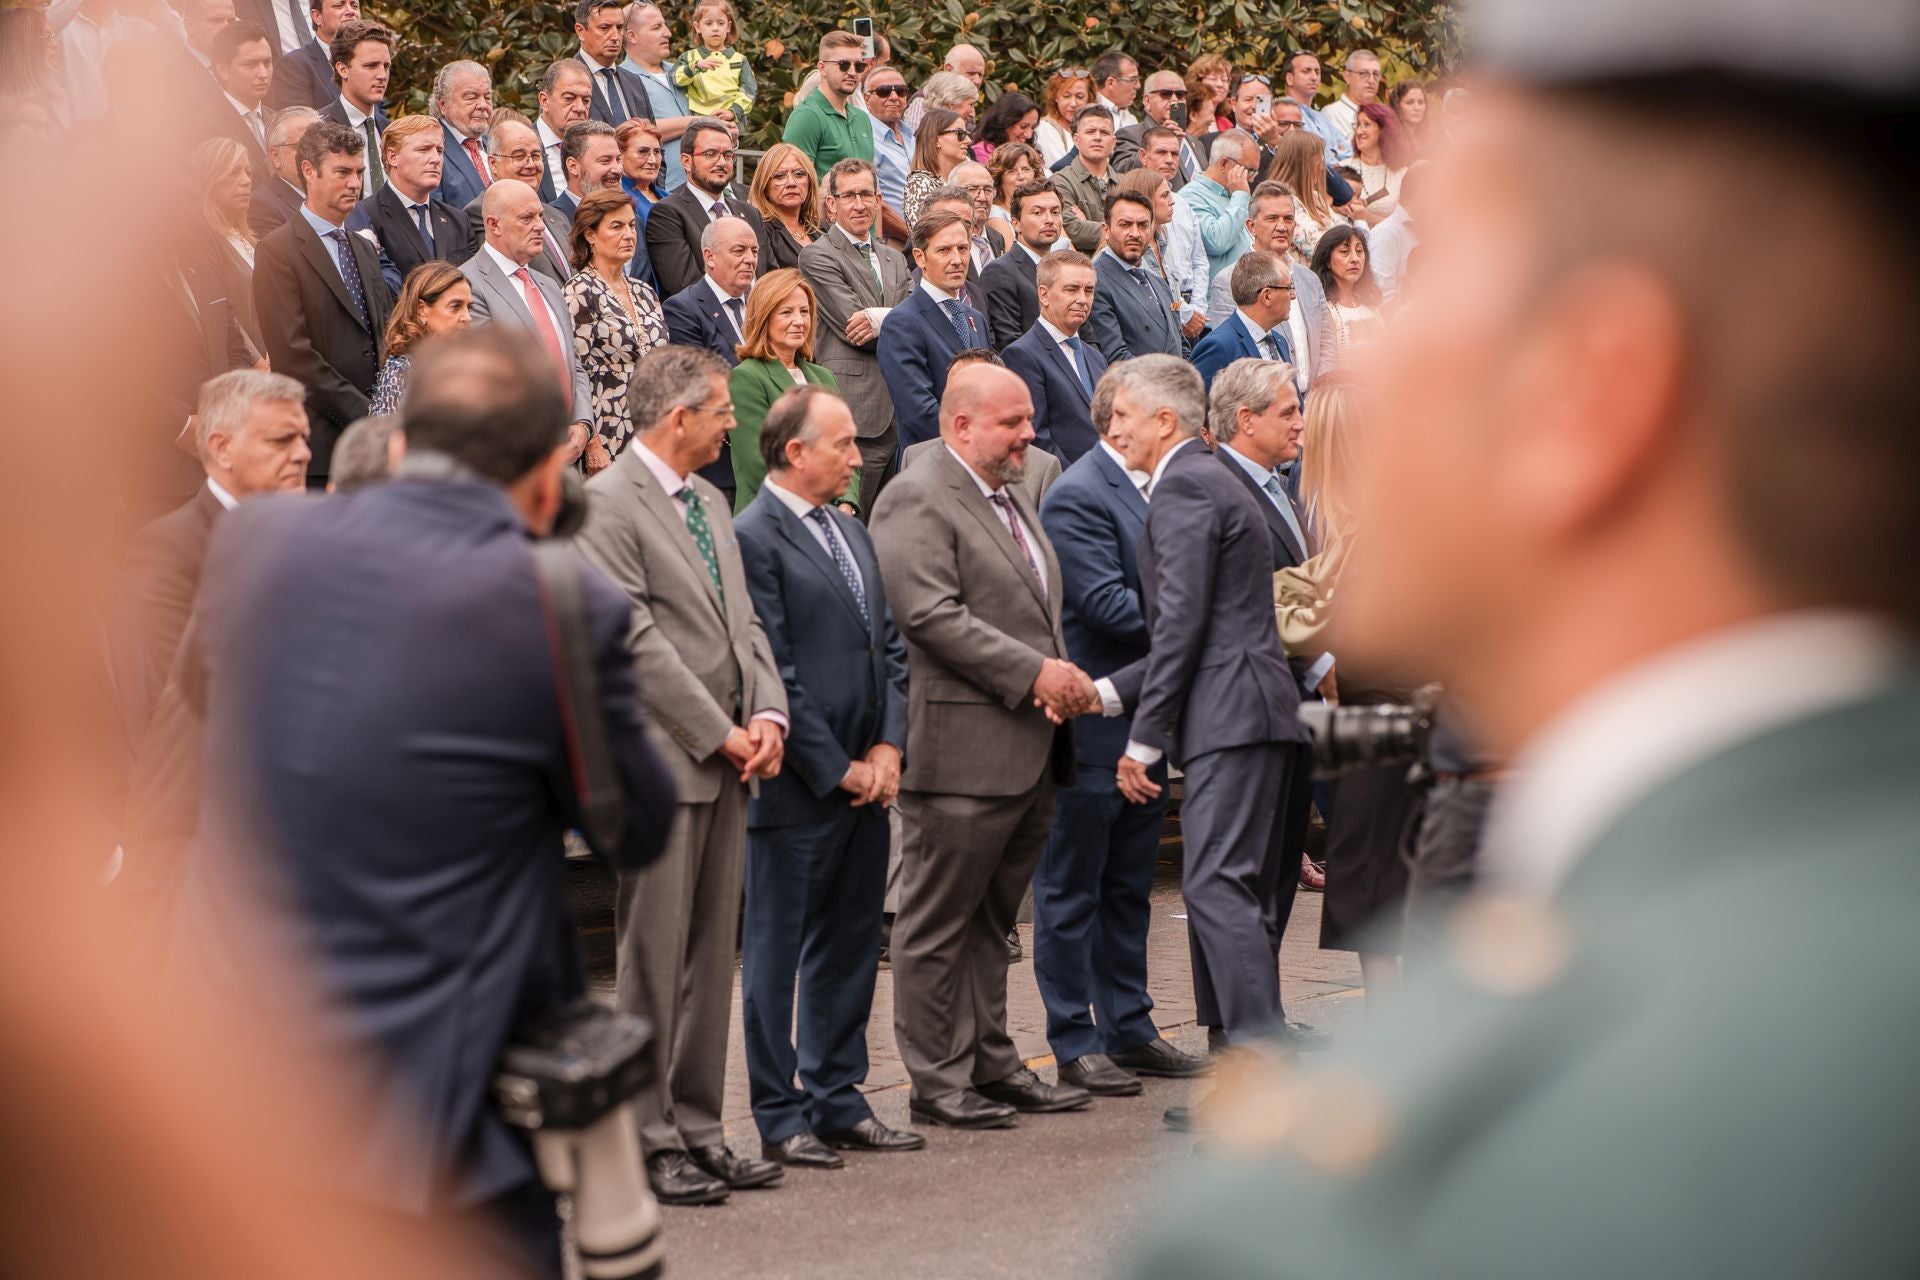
[825,124]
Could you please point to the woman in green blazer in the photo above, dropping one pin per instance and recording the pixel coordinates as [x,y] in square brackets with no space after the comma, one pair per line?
[775,358]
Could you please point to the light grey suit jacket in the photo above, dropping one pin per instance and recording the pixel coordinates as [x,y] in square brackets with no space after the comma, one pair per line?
[498,300]
[840,279]
[1043,468]
[703,661]
[977,626]
[1308,295]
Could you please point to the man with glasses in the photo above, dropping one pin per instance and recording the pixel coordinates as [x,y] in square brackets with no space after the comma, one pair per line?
[1363,87]
[1165,102]
[1300,76]
[675,225]
[1309,323]
[886,106]
[1116,83]
[1262,297]
[825,124]
[513,151]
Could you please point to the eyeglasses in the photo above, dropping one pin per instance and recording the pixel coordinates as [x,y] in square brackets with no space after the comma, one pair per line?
[717,410]
[887,91]
[648,153]
[727,155]
[787,174]
[1132,79]
[978,188]
[846,64]
[1283,288]
[859,197]
[515,157]
[1074,73]
[1364,75]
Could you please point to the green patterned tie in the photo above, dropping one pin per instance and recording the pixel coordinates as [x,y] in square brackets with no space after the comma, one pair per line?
[703,538]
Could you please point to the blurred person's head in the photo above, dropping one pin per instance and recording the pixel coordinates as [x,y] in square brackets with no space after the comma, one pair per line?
[202,20]
[605,232]
[810,445]
[223,176]
[329,16]
[243,63]
[1129,225]
[283,142]
[731,252]
[986,416]
[362,54]
[435,300]
[250,430]
[1065,281]
[513,149]
[942,249]
[1409,101]
[1377,129]
[680,406]
[1036,216]
[463,97]
[590,153]
[1158,403]
[515,226]
[853,196]
[1254,409]
[366,453]
[413,150]
[1154,189]
[1209,80]
[1300,161]
[333,163]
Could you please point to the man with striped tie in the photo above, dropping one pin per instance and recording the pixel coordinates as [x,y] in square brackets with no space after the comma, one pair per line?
[932,326]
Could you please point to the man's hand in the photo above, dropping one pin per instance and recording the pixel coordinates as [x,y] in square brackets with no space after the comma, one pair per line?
[769,743]
[1238,176]
[1263,126]
[599,454]
[860,782]
[577,433]
[1195,323]
[885,763]
[738,749]
[1130,776]
[1064,691]
[860,328]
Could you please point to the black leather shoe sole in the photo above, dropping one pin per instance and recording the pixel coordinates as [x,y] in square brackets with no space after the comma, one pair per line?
[919,1111]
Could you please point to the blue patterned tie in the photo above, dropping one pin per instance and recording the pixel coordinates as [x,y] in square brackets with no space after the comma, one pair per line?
[350,274]
[957,317]
[1079,350]
[819,516]
[426,228]
[1277,348]
[1278,492]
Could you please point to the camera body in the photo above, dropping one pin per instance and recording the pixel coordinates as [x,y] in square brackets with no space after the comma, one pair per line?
[1347,738]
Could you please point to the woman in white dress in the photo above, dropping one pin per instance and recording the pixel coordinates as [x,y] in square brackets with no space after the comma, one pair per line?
[1340,261]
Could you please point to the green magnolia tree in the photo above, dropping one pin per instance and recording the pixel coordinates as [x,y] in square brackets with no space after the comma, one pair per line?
[1023,43]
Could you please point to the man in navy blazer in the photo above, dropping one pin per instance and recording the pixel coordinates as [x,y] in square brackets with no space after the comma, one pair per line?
[1060,369]
[1013,297]
[924,333]
[711,313]
[1258,326]
[1133,311]
[305,77]
[817,835]
[410,836]
[395,212]
[1090,910]
[463,103]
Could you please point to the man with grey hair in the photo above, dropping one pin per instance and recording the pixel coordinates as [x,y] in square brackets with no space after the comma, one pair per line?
[1362,87]
[1270,221]
[369,450]
[463,101]
[1218,197]
[280,196]
[1262,285]
[711,313]
[1213,695]
[717,712]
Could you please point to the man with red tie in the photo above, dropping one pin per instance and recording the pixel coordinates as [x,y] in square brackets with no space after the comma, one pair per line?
[463,100]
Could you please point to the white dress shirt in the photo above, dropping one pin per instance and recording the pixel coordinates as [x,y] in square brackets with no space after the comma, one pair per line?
[256,123]
[550,147]
[1122,117]
[1060,337]
[357,121]
[562,322]
[1620,741]
[289,33]
[803,510]
[220,495]
[1340,115]
[1011,515]
[1389,245]
[1140,478]
[723,298]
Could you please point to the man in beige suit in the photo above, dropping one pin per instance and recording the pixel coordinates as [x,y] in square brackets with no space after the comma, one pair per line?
[717,712]
[975,589]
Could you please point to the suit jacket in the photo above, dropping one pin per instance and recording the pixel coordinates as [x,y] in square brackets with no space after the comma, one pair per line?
[1216,676]
[695,318]
[315,333]
[1127,319]
[1126,153]
[1288,551]
[844,285]
[1062,407]
[233,126]
[551,261]
[213,257]
[755,385]
[632,88]
[1095,517]
[336,112]
[674,227]
[198,339]
[274,201]
[701,656]
[401,246]
[1079,188]
[304,78]
[411,830]
[498,300]
[1012,294]
[459,180]
[1043,468]
[1308,296]
[916,344]
[977,626]
[1226,342]
[846,677]
[163,577]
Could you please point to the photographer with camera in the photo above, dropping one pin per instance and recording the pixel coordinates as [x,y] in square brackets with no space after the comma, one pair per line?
[393,729]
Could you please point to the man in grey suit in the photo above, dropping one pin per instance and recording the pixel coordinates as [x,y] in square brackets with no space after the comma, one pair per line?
[1309,322]
[858,280]
[976,591]
[718,714]
[506,292]
[1133,312]
[1215,694]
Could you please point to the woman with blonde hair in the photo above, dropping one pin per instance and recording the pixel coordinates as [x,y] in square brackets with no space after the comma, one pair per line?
[220,172]
[1300,161]
[435,299]
[776,355]
[787,193]
[1209,80]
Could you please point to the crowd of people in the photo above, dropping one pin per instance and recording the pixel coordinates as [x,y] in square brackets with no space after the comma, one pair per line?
[947,464]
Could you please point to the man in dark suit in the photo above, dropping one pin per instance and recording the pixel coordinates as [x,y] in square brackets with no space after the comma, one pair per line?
[618,94]
[675,225]
[411,224]
[1133,311]
[591,158]
[711,312]
[924,333]
[463,103]
[977,591]
[317,289]
[280,196]
[817,835]
[513,151]
[377,858]
[1012,296]
[566,98]
[1059,367]
[243,64]
[1214,695]
[1262,293]
[1090,893]
[305,77]
[363,62]
[955,199]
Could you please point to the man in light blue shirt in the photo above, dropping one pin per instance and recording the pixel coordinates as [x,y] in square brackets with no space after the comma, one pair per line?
[1300,74]
[1218,196]
[886,95]
[649,50]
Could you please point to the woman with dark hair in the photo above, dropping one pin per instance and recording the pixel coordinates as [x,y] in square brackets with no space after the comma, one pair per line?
[1012,118]
[1382,154]
[1013,166]
[616,319]
[939,146]
[435,299]
[1068,90]
[1409,101]
[1340,262]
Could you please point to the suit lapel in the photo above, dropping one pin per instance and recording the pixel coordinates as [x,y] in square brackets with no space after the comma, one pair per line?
[794,530]
[982,510]
[864,283]
[1276,523]
[507,289]
[656,503]
[322,262]
[1073,374]
[393,211]
[1131,498]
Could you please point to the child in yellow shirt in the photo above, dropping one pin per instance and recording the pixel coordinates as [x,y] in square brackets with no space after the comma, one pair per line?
[714,75]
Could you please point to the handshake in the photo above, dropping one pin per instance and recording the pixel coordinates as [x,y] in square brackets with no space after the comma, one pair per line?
[1064,691]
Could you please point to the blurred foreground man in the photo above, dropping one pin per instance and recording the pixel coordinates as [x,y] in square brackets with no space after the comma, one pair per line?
[388,779]
[1657,528]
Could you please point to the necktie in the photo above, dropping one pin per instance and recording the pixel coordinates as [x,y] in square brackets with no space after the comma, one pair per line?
[1276,345]
[720,209]
[616,100]
[543,325]
[1079,350]
[1278,493]
[819,516]
[873,265]
[376,176]
[426,228]
[472,148]
[702,534]
[1140,278]
[734,310]
[1005,504]
[957,317]
[350,275]
[982,252]
[297,11]
[259,130]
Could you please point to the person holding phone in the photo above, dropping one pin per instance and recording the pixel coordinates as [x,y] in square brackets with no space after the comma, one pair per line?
[1218,198]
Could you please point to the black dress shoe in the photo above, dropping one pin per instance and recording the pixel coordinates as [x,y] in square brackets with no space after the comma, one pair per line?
[963,1109]
[1306,1039]
[802,1149]
[1015,952]
[1158,1058]
[675,1179]
[1025,1091]
[1216,1040]
[1096,1073]
[740,1173]
[871,1135]
[1178,1119]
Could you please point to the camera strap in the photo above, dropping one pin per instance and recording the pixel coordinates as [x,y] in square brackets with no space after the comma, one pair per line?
[596,782]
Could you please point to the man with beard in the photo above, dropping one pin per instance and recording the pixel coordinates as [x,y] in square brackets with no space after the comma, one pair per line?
[1133,312]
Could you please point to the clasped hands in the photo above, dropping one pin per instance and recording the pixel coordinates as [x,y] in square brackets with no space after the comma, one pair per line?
[755,750]
[1064,691]
[875,777]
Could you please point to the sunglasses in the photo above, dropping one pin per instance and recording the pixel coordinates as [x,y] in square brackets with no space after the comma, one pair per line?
[1074,73]
[888,91]
[1253,79]
[1173,95]
[845,64]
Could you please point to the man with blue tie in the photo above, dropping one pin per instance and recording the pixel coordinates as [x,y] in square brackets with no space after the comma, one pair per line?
[924,333]
[1262,296]
[1133,313]
[1090,908]
[1059,367]
[817,834]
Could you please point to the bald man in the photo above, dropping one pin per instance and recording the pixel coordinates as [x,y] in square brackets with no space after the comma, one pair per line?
[976,590]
